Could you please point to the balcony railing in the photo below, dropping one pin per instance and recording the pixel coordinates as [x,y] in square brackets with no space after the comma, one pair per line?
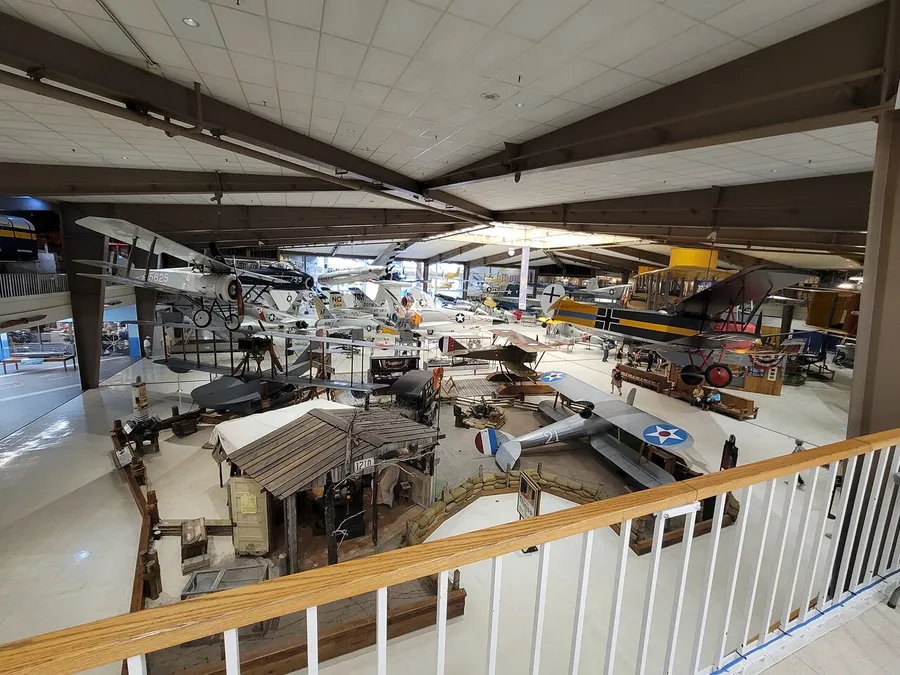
[17,285]
[788,567]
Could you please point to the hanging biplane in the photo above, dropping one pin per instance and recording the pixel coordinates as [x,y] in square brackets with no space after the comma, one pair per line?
[695,333]
[208,283]
[519,357]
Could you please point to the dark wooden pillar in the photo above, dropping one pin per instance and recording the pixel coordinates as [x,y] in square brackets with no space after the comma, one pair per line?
[86,294]
[873,404]
[145,301]
[290,533]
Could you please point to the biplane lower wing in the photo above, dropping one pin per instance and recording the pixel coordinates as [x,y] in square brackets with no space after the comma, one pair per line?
[640,424]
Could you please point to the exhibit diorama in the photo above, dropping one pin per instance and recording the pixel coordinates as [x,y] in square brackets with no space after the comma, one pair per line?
[460,336]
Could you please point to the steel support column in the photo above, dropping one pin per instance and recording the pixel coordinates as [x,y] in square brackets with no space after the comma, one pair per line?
[876,372]
[86,295]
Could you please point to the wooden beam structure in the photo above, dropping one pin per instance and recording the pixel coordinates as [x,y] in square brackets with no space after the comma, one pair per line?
[30,49]
[60,180]
[839,73]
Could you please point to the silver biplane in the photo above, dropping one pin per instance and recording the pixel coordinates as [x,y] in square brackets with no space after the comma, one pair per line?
[601,420]
[211,285]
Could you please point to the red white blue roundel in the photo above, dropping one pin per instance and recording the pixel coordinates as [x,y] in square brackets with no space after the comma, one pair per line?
[552,376]
[664,434]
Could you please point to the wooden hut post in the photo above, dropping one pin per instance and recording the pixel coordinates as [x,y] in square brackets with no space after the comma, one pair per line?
[329,521]
[290,532]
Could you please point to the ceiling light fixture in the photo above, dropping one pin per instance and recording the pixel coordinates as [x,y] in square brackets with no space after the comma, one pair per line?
[774,170]
[520,105]
[490,96]
[124,157]
[190,21]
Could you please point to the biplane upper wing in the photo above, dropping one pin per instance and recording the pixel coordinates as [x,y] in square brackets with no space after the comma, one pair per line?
[139,283]
[129,233]
[626,417]
[753,284]
[523,342]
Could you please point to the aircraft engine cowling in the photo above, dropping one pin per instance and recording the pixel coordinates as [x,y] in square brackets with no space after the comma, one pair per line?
[228,288]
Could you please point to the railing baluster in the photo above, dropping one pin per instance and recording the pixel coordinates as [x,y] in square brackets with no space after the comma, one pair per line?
[785,527]
[312,640]
[874,495]
[751,597]
[587,545]
[616,611]
[652,576]
[443,581]
[686,541]
[718,515]
[232,652]
[820,538]
[137,665]
[804,526]
[494,619]
[540,604]
[891,533]
[381,617]
[823,600]
[859,500]
[743,517]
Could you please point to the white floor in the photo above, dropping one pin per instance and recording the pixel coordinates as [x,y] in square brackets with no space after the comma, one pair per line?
[69,526]
[866,645]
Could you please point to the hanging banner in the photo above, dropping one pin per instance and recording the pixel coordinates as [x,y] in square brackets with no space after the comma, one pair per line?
[523,278]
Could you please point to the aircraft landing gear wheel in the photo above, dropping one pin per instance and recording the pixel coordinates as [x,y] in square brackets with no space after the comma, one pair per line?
[202,318]
[718,375]
[691,375]
[430,331]
[233,322]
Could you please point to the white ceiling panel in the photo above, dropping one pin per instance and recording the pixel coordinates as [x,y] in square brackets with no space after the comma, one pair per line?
[827,151]
[495,70]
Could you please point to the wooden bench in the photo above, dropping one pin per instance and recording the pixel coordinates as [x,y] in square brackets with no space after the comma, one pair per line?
[731,404]
[651,380]
[735,406]
[53,358]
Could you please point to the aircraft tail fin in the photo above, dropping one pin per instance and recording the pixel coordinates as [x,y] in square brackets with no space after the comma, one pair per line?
[550,296]
[321,310]
[386,257]
[630,398]
[505,449]
[448,345]
[591,284]
[488,441]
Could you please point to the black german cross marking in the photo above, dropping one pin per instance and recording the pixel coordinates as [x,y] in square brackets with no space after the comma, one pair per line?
[606,318]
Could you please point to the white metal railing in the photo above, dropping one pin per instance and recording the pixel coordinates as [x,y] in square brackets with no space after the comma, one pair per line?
[782,564]
[18,284]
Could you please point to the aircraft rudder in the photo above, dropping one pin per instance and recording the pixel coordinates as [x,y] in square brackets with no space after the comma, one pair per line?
[488,441]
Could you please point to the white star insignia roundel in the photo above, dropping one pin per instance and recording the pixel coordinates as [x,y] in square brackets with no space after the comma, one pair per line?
[552,376]
[664,434]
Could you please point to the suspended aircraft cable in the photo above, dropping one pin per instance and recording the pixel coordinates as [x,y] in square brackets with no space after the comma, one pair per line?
[172,129]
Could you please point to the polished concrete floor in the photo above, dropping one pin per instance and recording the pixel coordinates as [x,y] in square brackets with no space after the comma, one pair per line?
[69,526]
[33,391]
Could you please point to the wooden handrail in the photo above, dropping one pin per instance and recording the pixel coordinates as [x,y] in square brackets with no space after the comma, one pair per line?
[108,640]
